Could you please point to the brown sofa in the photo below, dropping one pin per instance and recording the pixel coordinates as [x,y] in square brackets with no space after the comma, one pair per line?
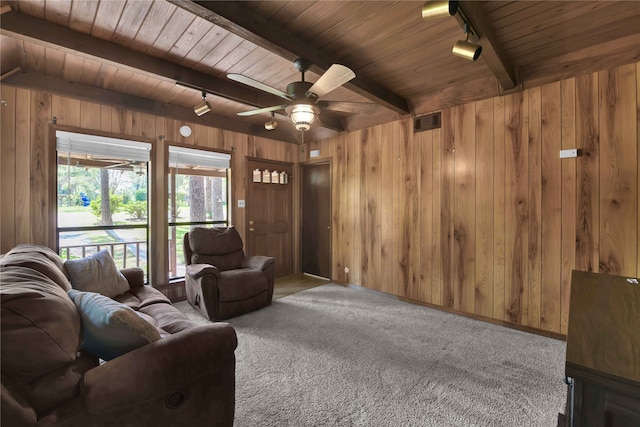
[186,377]
[221,282]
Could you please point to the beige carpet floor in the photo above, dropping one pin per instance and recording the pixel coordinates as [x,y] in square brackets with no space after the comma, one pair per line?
[336,356]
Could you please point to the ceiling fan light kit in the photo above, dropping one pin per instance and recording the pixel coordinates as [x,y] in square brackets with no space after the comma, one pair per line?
[204,107]
[302,115]
[462,48]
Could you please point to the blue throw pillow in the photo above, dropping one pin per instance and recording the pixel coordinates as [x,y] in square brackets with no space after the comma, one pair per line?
[110,329]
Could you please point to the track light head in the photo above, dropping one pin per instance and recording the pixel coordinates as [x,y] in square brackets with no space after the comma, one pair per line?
[271,124]
[464,48]
[467,50]
[204,107]
[439,9]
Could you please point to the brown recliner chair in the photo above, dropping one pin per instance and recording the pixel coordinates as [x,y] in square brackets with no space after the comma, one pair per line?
[220,281]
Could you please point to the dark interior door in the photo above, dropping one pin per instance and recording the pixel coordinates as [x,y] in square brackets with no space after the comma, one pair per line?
[270,215]
[316,220]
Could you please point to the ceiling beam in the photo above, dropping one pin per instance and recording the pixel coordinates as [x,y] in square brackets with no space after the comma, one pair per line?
[43,33]
[89,93]
[492,52]
[243,22]
[458,94]
[24,27]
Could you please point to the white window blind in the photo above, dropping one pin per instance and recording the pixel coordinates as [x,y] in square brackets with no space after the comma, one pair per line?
[181,157]
[101,146]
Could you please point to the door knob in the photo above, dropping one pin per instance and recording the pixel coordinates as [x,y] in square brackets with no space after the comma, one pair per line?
[251,229]
[251,222]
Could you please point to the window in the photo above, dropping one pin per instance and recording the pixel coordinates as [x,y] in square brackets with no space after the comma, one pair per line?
[198,196]
[102,197]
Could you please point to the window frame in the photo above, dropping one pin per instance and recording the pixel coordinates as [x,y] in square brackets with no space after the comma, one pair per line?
[157,192]
[172,224]
[63,132]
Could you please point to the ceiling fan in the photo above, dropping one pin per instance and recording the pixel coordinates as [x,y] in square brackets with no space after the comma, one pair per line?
[303,98]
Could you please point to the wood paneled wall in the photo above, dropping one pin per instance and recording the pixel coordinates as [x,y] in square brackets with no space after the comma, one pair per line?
[482,216]
[27,158]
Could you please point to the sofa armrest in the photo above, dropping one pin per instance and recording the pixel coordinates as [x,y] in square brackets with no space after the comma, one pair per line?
[158,369]
[198,270]
[134,275]
[257,261]
[16,411]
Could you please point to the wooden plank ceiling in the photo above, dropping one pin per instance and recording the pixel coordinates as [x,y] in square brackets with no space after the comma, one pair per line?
[133,52]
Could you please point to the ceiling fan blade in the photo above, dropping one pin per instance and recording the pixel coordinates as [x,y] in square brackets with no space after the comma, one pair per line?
[262,110]
[349,107]
[256,84]
[332,122]
[333,78]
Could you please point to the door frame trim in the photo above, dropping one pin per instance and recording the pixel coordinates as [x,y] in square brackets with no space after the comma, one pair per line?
[263,160]
[298,214]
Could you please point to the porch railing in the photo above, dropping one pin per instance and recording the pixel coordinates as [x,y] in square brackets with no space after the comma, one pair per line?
[119,251]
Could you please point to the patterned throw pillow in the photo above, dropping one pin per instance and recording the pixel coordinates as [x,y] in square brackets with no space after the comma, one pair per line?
[97,273]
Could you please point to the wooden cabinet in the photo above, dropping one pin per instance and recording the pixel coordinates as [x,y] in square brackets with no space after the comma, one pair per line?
[603,351]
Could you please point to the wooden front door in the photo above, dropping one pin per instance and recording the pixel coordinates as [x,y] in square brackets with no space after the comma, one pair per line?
[269,207]
[316,220]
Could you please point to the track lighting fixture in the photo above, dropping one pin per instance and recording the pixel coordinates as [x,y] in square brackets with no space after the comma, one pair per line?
[438,9]
[271,124]
[465,49]
[204,107]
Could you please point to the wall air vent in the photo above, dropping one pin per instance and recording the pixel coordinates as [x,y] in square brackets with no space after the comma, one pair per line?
[428,122]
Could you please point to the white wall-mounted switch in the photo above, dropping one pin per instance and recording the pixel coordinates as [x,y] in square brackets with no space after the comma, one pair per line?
[241,203]
[565,154]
